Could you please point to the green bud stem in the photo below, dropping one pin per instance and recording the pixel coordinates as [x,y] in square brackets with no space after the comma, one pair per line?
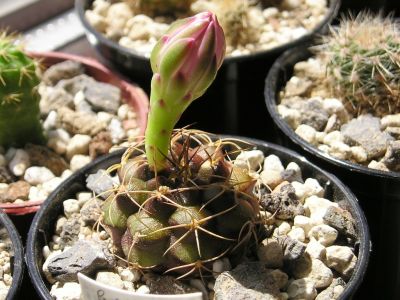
[184,62]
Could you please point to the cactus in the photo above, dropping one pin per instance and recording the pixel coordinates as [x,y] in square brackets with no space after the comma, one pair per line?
[192,205]
[198,209]
[19,98]
[363,63]
[161,7]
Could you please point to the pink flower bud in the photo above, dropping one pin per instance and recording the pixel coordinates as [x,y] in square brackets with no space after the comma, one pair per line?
[190,54]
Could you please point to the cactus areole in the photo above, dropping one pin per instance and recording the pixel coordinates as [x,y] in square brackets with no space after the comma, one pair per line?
[185,62]
[19,98]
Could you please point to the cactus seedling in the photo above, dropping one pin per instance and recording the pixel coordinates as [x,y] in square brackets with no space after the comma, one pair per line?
[363,63]
[19,98]
[181,204]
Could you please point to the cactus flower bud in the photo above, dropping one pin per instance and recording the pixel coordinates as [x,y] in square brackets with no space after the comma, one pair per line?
[185,62]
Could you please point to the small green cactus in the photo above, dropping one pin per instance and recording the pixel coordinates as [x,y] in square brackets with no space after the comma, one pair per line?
[162,7]
[19,98]
[363,63]
[197,209]
[190,205]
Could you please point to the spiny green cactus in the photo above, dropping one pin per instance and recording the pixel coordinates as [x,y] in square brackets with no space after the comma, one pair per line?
[198,209]
[191,205]
[363,63]
[19,98]
[162,7]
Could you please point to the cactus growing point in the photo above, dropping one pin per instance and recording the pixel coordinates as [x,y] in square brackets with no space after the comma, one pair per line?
[184,62]
[19,98]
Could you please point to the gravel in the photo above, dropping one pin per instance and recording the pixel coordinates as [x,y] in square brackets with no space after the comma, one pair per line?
[366,140]
[5,263]
[75,137]
[302,258]
[270,27]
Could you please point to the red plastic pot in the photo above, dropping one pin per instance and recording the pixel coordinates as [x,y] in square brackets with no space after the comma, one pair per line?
[131,93]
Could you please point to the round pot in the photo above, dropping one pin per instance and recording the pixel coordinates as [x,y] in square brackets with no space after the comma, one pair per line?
[17,259]
[127,59]
[378,191]
[237,88]
[133,95]
[43,223]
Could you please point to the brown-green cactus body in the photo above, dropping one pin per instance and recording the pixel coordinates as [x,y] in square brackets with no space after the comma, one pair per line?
[19,98]
[119,209]
[143,257]
[184,221]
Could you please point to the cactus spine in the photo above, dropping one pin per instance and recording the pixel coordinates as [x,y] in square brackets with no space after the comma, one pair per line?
[363,63]
[19,98]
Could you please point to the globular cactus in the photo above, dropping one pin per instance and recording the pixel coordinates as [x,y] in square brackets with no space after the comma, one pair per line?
[161,7]
[181,204]
[363,63]
[19,98]
[197,209]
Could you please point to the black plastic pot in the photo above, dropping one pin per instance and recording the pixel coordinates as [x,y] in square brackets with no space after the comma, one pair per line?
[236,93]
[378,192]
[359,5]
[43,224]
[17,259]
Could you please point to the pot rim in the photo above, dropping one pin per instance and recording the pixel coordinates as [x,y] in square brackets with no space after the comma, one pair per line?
[364,236]
[94,36]
[18,249]
[129,90]
[271,95]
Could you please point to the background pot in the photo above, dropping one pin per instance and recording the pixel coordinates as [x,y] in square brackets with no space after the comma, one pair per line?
[133,95]
[43,223]
[378,192]
[236,93]
[17,260]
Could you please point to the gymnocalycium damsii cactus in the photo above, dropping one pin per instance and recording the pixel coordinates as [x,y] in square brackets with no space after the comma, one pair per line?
[181,204]
[19,98]
[363,63]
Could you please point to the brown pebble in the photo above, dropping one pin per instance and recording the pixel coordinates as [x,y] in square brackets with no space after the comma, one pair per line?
[100,144]
[16,190]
